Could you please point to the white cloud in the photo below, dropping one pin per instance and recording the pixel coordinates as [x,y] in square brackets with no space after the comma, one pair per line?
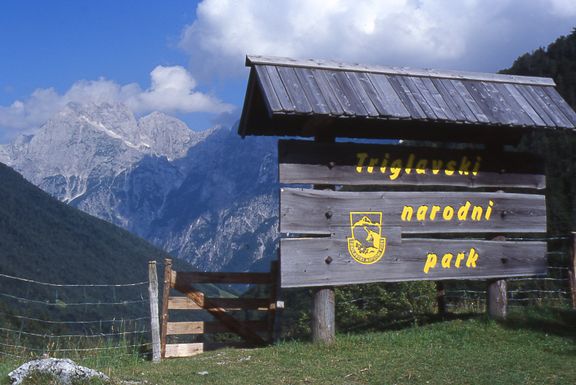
[172,90]
[418,33]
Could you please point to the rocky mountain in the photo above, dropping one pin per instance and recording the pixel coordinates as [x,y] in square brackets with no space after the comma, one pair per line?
[207,197]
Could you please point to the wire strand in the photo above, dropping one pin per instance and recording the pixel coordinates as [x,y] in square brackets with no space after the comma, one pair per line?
[73,285]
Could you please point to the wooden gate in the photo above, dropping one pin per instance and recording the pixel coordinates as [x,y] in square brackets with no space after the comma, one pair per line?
[230,315]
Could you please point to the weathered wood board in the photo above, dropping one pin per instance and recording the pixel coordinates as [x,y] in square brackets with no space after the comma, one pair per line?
[304,211]
[365,164]
[309,262]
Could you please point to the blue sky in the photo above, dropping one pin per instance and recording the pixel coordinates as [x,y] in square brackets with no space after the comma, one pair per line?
[186,58]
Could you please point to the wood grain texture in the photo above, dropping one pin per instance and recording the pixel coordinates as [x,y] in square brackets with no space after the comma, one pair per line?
[229,304]
[200,327]
[154,317]
[328,212]
[303,261]
[165,297]
[252,60]
[325,163]
[184,350]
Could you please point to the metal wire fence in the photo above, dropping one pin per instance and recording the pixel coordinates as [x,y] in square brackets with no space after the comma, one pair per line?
[73,320]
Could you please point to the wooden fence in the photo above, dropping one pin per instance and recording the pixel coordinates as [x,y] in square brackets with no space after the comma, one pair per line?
[230,315]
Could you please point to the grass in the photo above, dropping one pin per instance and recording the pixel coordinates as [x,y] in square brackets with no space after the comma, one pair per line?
[532,347]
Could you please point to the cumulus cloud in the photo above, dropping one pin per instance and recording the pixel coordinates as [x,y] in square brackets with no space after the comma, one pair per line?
[420,33]
[172,90]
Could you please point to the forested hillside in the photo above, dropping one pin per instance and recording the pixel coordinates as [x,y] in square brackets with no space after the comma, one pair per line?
[557,61]
[44,239]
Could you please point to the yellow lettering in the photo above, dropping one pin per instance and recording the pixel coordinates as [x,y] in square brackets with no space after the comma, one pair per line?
[464,166]
[431,260]
[421,213]
[450,168]
[477,213]
[448,213]
[407,213]
[446,260]
[373,162]
[433,212]
[361,159]
[472,258]
[436,166]
[409,164]
[384,163]
[476,166]
[421,166]
[459,258]
[395,169]
[463,211]
[489,210]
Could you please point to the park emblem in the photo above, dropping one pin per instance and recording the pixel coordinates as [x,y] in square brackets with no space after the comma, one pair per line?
[366,245]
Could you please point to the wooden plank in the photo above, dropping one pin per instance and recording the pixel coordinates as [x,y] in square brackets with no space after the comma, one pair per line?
[516,109]
[330,212]
[195,277]
[490,105]
[184,350]
[303,261]
[470,101]
[386,99]
[555,113]
[271,99]
[229,304]
[165,298]
[343,91]
[280,90]
[437,102]
[328,93]
[536,104]
[417,94]
[525,105]
[200,327]
[561,104]
[312,91]
[405,95]
[363,164]
[362,87]
[378,69]
[454,100]
[294,90]
[154,317]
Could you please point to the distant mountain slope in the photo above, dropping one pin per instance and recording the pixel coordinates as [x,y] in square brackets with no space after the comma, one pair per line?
[44,239]
[207,197]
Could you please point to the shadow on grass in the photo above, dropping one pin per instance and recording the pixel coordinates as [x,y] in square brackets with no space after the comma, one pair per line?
[554,321]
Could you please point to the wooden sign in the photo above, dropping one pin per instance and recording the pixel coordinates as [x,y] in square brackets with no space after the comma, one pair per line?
[363,164]
[305,211]
[369,236]
[327,262]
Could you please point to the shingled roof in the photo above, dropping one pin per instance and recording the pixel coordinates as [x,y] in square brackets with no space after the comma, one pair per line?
[311,97]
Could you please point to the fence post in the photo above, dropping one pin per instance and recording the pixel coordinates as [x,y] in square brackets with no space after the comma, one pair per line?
[154,321]
[165,296]
[572,269]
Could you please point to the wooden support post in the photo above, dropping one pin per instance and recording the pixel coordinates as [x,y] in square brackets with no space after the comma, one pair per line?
[165,296]
[441,298]
[154,320]
[497,296]
[497,299]
[323,316]
[572,270]
[323,302]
